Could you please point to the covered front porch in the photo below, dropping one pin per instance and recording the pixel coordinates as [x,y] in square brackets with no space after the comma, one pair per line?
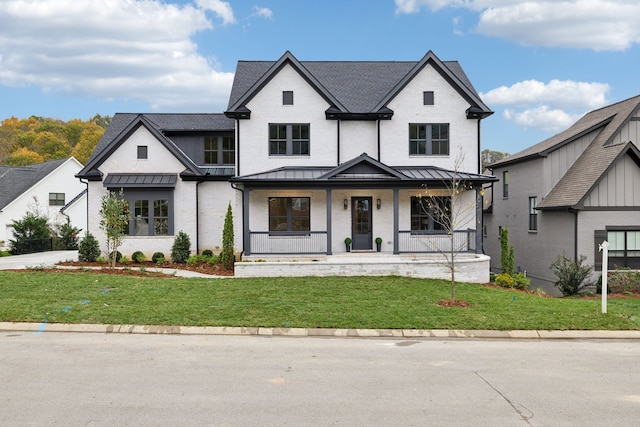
[309,212]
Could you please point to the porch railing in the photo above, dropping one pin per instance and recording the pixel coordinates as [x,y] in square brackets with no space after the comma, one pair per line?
[436,241]
[308,242]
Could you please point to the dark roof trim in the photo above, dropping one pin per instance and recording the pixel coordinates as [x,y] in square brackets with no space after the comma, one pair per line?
[333,113]
[239,110]
[91,172]
[140,180]
[449,76]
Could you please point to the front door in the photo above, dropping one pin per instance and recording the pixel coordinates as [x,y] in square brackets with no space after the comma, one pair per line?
[361,223]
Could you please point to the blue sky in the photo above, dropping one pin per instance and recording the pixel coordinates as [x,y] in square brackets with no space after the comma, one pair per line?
[539,65]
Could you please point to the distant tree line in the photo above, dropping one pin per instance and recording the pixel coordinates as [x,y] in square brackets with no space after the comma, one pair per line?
[40,139]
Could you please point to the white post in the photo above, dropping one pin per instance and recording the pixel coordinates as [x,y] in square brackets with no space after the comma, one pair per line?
[604,247]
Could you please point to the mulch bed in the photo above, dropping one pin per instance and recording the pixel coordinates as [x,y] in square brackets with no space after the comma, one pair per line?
[146,269]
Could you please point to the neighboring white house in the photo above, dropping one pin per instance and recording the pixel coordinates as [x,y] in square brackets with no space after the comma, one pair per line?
[307,154]
[569,193]
[49,187]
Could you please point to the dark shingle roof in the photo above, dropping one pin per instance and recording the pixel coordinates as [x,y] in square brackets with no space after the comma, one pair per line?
[593,163]
[164,123]
[15,180]
[359,86]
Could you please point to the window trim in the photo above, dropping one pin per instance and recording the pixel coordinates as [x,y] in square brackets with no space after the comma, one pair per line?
[287,97]
[292,146]
[433,225]
[290,217]
[150,196]
[56,199]
[533,214]
[505,184]
[428,141]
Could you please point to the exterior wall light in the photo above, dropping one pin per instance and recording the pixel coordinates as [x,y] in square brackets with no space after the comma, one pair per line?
[378,203]
[346,204]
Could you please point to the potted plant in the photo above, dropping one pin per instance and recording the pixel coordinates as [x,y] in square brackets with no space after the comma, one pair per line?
[347,242]
[378,243]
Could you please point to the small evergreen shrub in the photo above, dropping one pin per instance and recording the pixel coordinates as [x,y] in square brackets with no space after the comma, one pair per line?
[505,280]
[521,281]
[124,260]
[181,249]
[207,253]
[572,275]
[228,255]
[118,256]
[193,260]
[5,253]
[138,256]
[213,260]
[88,248]
[156,257]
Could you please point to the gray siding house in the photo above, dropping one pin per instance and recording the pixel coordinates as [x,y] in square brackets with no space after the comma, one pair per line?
[569,193]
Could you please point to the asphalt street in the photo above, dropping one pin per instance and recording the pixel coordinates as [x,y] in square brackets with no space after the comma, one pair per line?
[90,379]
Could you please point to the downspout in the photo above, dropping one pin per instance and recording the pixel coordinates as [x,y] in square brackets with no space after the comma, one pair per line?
[87,184]
[479,150]
[575,234]
[198,216]
[338,139]
[243,222]
[378,124]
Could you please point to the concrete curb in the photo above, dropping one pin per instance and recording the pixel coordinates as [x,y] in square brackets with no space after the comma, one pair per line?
[312,332]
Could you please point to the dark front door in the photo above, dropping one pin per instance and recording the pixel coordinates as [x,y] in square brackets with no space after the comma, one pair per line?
[361,223]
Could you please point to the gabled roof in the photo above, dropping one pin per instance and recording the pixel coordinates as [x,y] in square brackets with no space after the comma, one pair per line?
[360,171]
[15,180]
[160,125]
[357,88]
[593,163]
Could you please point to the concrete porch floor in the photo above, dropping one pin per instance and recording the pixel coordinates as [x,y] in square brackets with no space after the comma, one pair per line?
[473,268]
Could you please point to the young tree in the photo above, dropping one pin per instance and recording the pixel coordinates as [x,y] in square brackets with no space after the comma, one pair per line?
[114,214]
[227,256]
[31,232]
[452,208]
[507,257]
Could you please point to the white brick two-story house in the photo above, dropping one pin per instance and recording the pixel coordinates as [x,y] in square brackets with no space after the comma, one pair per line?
[307,153]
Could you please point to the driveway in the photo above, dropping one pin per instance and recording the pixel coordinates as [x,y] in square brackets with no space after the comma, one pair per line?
[39,259]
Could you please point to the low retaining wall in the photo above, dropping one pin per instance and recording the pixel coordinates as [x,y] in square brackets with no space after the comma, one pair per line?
[469,268]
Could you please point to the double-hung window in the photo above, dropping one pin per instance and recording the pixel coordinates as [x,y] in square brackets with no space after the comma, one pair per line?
[289,139]
[219,150]
[430,213]
[533,214]
[289,215]
[428,139]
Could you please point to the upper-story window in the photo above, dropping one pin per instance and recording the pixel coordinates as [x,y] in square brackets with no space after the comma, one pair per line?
[428,139]
[56,199]
[288,139]
[287,97]
[219,150]
[533,214]
[427,98]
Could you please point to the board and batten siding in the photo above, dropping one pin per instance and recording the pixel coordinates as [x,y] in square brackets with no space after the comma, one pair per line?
[629,132]
[618,187]
[559,161]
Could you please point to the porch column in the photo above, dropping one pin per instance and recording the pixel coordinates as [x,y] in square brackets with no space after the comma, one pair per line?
[329,252]
[479,227]
[396,215]
[246,229]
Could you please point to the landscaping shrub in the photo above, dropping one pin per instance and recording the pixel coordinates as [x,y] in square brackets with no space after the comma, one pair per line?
[521,281]
[88,248]
[138,256]
[572,275]
[66,236]
[181,249]
[207,253]
[228,256]
[505,280]
[118,256]
[156,257]
[5,253]
[622,280]
[124,260]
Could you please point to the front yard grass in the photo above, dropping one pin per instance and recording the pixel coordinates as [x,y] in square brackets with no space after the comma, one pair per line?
[311,302]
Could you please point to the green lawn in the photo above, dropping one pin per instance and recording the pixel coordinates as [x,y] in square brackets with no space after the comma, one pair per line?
[331,302]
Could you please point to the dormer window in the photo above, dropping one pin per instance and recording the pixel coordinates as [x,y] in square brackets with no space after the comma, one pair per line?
[427,98]
[287,97]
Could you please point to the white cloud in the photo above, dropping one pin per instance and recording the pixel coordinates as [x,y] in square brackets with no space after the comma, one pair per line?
[552,120]
[113,49]
[550,106]
[220,8]
[588,24]
[262,12]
